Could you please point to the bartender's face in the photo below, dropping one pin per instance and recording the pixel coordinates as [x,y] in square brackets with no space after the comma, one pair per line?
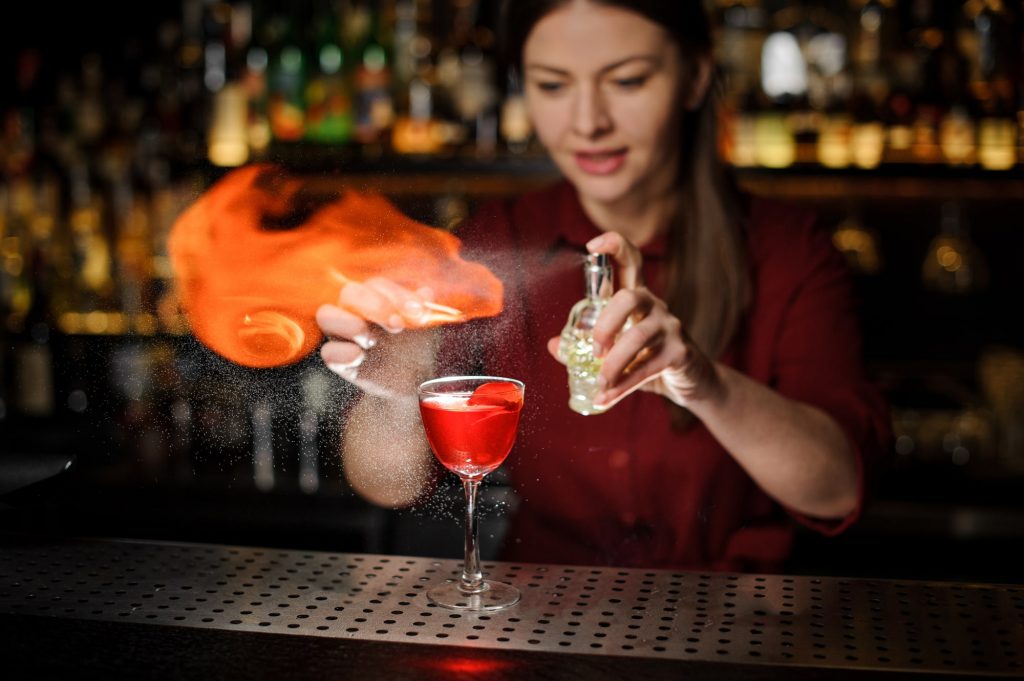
[603,87]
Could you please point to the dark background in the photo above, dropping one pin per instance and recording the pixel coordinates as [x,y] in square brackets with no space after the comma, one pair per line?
[932,518]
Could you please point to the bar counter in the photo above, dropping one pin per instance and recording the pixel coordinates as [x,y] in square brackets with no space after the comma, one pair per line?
[73,608]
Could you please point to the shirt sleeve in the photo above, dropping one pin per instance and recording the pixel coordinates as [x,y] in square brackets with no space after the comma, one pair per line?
[818,362]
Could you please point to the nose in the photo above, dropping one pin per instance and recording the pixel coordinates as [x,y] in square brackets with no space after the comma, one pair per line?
[591,118]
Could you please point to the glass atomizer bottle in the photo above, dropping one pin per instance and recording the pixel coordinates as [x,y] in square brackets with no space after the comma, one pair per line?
[576,348]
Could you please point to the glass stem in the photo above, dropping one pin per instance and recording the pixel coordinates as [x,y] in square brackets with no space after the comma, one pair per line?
[472,578]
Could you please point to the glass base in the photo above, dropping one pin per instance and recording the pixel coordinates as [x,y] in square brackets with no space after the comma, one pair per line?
[494,596]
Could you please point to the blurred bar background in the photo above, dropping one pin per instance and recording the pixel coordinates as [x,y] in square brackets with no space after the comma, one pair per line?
[900,121]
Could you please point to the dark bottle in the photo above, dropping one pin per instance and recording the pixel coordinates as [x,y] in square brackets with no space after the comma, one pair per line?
[328,98]
[286,107]
[33,355]
[375,111]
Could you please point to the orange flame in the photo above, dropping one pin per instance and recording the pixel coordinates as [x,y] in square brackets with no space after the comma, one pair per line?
[259,252]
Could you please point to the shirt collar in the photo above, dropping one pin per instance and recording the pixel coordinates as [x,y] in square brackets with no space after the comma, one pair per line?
[574,228]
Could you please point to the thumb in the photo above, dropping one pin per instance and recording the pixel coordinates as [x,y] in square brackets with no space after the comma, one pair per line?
[553,344]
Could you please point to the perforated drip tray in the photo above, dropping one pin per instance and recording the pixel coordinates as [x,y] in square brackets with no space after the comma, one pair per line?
[821,622]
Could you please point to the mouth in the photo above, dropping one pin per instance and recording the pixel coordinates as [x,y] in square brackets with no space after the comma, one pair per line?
[601,162]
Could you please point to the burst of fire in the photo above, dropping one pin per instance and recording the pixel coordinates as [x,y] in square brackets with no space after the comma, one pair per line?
[259,252]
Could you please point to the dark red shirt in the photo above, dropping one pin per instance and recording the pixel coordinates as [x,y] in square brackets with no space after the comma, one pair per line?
[624,488]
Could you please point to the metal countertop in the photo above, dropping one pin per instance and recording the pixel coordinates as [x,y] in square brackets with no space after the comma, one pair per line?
[825,623]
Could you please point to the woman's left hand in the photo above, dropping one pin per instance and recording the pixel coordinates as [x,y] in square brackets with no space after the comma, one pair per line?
[654,353]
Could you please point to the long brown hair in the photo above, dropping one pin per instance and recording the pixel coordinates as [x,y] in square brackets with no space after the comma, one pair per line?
[707,281]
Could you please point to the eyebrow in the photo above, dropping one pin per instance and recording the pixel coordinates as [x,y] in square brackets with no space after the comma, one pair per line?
[603,69]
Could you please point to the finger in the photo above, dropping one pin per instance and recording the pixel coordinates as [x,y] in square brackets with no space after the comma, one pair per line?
[372,305]
[342,358]
[607,399]
[408,304]
[627,304]
[339,324]
[627,350]
[648,371]
[553,345]
[625,254]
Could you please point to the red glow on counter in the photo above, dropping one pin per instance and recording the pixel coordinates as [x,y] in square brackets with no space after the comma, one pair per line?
[471,665]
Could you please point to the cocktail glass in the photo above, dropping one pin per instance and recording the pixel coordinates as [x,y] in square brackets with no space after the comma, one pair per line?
[471,422]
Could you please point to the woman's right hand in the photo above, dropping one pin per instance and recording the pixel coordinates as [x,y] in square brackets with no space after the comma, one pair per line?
[373,313]
[375,341]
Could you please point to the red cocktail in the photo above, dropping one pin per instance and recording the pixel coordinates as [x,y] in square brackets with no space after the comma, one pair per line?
[472,439]
[470,422]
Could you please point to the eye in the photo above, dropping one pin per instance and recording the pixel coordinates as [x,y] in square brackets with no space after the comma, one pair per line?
[549,86]
[631,83]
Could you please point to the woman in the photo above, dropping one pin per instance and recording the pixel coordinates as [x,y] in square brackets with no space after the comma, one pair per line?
[747,408]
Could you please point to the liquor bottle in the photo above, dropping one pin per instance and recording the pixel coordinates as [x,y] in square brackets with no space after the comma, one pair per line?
[738,47]
[405,36]
[873,39]
[33,356]
[867,135]
[954,263]
[133,256]
[420,129]
[899,122]
[576,348]
[15,253]
[375,109]
[515,127]
[316,404]
[229,139]
[168,200]
[227,37]
[915,107]
[989,49]
[418,132]
[328,100]
[741,35]
[477,99]
[870,84]
[216,37]
[263,445]
[258,132]
[784,121]
[91,114]
[286,109]
[92,250]
[834,139]
[185,89]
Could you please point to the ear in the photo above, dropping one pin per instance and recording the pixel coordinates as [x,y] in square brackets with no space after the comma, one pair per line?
[699,83]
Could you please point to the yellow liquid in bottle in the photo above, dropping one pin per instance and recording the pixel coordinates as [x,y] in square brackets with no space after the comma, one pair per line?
[577,350]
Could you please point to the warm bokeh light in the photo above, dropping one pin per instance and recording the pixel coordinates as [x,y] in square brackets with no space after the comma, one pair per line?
[834,141]
[262,249]
[996,144]
[775,146]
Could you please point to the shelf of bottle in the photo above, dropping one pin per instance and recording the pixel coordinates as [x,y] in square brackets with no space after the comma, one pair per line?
[405,175]
[886,182]
[117,323]
[805,179]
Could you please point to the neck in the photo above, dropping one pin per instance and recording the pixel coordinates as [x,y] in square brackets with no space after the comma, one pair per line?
[640,217]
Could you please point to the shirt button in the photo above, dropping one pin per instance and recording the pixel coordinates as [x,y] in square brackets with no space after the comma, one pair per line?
[619,458]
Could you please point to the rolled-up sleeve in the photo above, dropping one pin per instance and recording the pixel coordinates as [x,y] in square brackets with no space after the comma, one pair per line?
[818,362]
